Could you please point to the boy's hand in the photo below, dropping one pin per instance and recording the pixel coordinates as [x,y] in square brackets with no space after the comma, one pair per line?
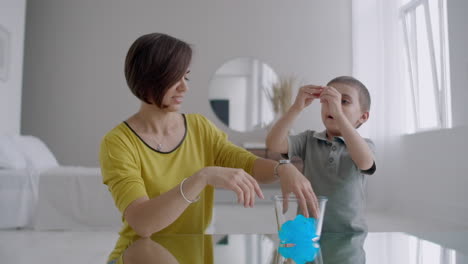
[306,95]
[332,98]
[292,181]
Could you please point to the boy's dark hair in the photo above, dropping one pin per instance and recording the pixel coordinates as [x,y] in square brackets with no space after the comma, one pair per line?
[364,96]
[154,63]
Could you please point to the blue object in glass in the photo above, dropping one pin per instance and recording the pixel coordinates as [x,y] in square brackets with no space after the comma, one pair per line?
[301,253]
[299,230]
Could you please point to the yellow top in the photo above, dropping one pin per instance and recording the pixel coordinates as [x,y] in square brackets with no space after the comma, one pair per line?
[193,249]
[131,169]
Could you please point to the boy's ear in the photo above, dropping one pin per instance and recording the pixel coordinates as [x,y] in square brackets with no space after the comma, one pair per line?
[364,117]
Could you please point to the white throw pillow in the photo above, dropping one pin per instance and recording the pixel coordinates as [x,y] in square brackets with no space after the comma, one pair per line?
[10,155]
[37,155]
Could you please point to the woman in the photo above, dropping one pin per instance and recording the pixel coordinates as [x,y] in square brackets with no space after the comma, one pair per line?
[162,166]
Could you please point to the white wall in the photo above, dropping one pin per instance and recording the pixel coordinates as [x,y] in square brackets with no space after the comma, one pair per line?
[427,173]
[430,176]
[74,88]
[458,44]
[12,19]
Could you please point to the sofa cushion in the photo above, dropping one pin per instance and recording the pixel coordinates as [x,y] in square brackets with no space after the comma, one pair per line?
[10,156]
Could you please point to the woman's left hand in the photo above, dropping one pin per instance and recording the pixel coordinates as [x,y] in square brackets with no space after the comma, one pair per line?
[292,181]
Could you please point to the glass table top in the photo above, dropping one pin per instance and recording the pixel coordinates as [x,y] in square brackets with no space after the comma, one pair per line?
[352,248]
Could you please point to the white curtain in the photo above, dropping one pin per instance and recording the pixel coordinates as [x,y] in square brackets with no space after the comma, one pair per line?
[378,61]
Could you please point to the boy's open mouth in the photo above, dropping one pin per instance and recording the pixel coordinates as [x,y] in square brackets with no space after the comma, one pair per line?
[329,116]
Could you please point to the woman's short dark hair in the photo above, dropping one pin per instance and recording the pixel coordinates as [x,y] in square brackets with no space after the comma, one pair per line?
[154,63]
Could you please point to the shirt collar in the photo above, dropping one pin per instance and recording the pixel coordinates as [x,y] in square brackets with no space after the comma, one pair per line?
[323,136]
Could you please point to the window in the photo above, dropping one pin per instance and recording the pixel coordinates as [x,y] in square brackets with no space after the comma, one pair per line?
[427,67]
[422,251]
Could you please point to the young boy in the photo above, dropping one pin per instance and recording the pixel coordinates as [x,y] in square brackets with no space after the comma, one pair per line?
[337,159]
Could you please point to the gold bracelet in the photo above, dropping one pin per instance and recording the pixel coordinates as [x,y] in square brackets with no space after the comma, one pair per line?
[183,195]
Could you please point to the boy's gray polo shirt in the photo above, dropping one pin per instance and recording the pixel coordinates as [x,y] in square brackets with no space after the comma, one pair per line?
[332,173]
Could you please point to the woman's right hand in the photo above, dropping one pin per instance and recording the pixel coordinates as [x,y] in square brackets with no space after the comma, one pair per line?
[306,95]
[237,180]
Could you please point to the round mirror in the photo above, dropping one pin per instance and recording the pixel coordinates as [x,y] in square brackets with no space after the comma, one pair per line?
[238,94]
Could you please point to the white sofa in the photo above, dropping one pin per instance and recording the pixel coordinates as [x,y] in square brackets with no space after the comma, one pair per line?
[17,198]
[35,191]
[74,198]
[22,158]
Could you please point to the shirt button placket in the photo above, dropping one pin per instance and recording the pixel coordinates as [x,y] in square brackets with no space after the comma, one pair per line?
[331,159]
